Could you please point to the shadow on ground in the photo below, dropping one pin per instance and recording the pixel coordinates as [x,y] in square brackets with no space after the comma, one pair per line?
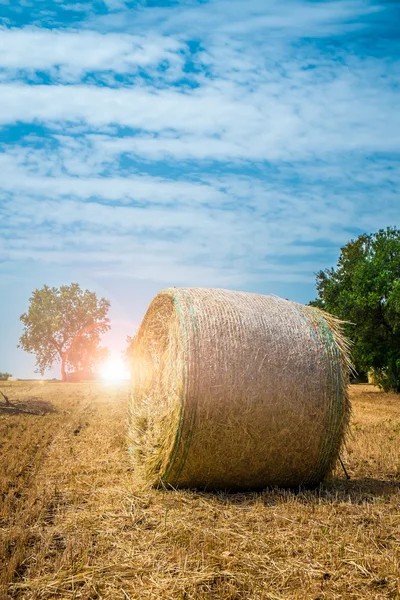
[358,491]
[364,490]
[29,406]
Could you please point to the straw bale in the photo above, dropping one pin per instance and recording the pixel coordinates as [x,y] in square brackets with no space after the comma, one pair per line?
[232,390]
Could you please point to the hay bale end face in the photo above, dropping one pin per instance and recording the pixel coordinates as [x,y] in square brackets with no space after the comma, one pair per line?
[235,390]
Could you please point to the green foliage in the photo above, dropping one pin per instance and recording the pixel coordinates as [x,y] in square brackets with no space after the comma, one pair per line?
[63,320]
[364,289]
[86,355]
[5,376]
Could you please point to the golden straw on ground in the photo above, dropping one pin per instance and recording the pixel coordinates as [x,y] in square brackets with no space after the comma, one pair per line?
[236,390]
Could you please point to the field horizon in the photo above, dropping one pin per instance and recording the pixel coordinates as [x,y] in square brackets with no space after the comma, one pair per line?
[76,521]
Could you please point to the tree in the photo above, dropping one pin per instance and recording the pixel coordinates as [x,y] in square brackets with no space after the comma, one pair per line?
[4,376]
[85,355]
[364,289]
[57,319]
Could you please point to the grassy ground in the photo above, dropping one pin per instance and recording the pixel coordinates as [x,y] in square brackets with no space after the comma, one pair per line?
[75,523]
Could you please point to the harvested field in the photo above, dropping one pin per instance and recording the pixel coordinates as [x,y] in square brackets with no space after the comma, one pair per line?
[75,522]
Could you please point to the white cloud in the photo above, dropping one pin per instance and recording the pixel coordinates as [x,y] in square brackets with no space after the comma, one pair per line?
[269,141]
[235,17]
[38,173]
[274,122]
[235,227]
[69,54]
[257,95]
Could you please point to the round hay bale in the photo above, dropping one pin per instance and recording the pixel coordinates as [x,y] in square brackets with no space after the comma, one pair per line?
[235,390]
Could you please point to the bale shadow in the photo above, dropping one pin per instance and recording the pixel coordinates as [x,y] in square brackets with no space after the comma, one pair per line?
[365,490]
[30,406]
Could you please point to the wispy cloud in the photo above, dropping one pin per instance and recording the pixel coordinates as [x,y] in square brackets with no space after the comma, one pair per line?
[70,55]
[279,120]
[203,19]
[202,142]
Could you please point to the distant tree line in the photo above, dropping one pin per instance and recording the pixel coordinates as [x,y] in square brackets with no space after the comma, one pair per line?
[65,324]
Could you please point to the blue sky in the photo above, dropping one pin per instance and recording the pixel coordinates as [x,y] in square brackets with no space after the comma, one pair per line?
[208,143]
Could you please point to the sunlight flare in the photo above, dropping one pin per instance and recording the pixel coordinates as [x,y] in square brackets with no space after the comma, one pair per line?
[114,369]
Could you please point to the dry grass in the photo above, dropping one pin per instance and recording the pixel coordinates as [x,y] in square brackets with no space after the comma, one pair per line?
[75,523]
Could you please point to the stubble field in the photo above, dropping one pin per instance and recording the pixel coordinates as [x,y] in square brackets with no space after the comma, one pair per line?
[75,522]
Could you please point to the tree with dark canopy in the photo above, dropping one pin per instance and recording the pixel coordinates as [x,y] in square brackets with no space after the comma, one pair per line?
[60,321]
[86,356]
[364,289]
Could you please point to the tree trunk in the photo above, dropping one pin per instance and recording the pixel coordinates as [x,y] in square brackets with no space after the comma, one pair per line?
[8,403]
[63,371]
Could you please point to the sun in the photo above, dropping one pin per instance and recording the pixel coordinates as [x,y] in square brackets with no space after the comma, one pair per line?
[114,369]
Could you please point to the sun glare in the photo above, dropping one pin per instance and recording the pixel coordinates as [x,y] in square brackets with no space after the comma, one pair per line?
[114,370]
